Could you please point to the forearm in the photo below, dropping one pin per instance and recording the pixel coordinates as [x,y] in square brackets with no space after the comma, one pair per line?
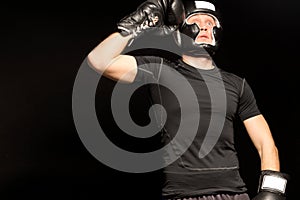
[107,51]
[269,157]
[272,182]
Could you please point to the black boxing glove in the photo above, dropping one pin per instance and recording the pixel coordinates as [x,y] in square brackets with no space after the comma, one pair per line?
[165,15]
[272,185]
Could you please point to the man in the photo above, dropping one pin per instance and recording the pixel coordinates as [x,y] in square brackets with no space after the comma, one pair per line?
[209,167]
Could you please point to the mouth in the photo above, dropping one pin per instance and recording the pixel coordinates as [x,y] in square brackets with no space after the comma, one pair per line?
[202,37]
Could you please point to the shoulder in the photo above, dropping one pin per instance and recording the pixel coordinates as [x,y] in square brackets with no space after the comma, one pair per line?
[232,79]
[156,60]
[144,59]
[230,75]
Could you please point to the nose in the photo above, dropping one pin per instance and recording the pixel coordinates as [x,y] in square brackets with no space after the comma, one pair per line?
[203,28]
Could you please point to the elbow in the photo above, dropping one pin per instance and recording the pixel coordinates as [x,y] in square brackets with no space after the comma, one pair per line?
[94,62]
[270,149]
[270,159]
[274,149]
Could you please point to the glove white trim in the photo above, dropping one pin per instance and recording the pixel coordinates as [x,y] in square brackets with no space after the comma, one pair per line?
[274,183]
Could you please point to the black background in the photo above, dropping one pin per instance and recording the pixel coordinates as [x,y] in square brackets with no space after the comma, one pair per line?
[43,46]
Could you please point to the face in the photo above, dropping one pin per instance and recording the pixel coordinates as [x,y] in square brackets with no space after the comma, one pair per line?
[205,24]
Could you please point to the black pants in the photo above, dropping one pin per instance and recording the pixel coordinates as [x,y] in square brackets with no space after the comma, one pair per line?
[243,196]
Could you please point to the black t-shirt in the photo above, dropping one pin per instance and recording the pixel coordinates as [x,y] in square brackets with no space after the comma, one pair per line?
[201,105]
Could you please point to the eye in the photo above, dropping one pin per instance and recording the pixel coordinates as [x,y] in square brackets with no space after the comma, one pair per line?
[209,23]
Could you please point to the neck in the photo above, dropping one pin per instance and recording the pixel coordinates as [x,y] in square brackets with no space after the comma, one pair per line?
[203,62]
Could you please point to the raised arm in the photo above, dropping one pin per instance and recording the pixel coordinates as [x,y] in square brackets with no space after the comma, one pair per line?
[107,57]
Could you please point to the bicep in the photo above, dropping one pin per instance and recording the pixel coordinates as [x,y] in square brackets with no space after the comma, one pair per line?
[258,131]
[122,68]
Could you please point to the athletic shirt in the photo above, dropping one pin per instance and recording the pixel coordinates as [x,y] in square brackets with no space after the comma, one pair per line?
[221,97]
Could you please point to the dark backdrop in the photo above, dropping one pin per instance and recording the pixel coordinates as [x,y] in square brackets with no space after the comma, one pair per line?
[43,46]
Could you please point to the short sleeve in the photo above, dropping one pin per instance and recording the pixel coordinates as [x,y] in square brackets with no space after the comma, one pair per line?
[247,104]
[148,68]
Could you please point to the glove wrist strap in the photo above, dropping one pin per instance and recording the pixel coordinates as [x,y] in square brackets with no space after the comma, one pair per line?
[273,181]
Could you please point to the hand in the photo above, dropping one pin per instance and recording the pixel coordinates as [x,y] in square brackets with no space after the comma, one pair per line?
[272,185]
[165,15]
